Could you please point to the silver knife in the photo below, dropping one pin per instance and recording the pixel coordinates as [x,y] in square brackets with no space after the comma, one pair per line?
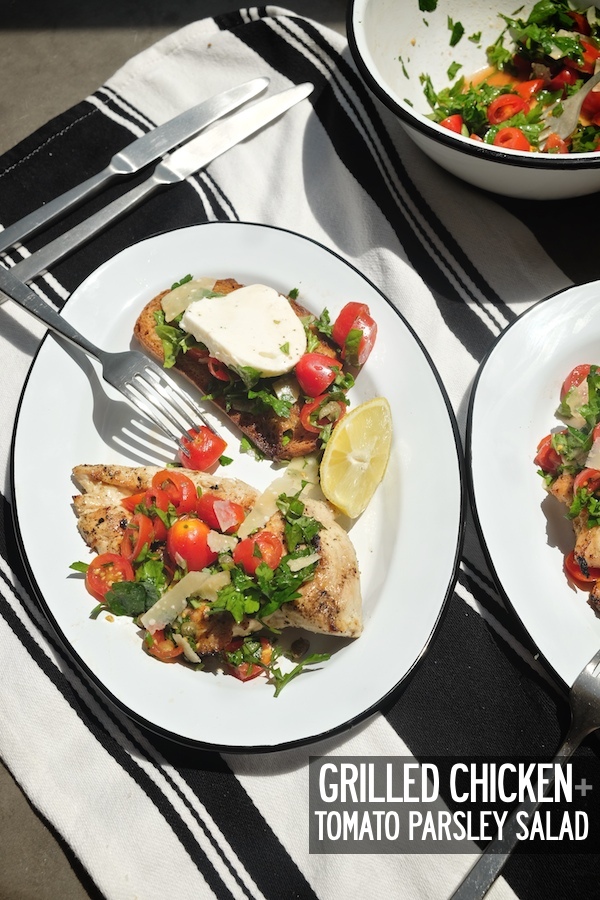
[188,159]
[135,156]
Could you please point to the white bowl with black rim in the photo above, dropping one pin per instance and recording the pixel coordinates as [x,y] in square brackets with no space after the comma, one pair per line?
[394,42]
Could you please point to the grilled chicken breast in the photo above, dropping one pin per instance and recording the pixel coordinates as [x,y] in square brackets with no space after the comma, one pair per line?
[329,604]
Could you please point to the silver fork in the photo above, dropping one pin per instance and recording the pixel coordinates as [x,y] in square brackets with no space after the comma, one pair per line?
[584,700]
[137,377]
[564,124]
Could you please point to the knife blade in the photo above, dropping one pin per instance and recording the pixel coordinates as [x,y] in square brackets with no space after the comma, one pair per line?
[179,165]
[136,156]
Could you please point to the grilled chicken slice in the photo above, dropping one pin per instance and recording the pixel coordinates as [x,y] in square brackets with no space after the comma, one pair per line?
[329,604]
[102,519]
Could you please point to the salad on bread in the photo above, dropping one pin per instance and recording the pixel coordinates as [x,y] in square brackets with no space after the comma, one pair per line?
[280,373]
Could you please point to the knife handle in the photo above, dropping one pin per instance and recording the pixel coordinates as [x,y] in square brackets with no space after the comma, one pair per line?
[45,214]
[42,259]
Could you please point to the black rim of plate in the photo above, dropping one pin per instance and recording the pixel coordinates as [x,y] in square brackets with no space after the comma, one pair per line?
[394,691]
[540,161]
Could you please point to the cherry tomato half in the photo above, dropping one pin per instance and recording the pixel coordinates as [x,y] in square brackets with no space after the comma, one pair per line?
[187,544]
[587,478]
[575,377]
[555,144]
[590,55]
[547,458]
[511,139]
[526,89]
[180,490]
[315,372]
[218,369]
[355,317]
[504,107]
[104,571]
[222,515]
[246,671]
[575,572]
[203,447]
[453,123]
[580,22]
[262,547]
[591,105]
[161,647]
[321,411]
[138,534]
[566,77]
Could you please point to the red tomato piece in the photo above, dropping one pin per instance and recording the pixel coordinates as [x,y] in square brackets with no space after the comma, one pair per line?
[476,137]
[547,458]
[218,369]
[222,515]
[504,107]
[104,571]
[202,449]
[321,411]
[315,372]
[580,22]
[575,377]
[161,647]
[587,478]
[591,105]
[355,317]
[180,490]
[246,671]
[131,502]
[555,144]
[157,498]
[262,547]
[138,534]
[526,89]
[347,316]
[590,55]
[563,78]
[453,123]
[575,572]
[187,544]
[511,139]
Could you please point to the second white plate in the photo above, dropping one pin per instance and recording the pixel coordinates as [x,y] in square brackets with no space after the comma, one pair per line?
[524,530]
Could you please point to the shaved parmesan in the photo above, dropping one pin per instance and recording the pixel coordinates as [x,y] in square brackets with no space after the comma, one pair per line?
[203,584]
[577,397]
[178,300]
[300,470]
[301,562]
[593,457]
[220,543]
[189,654]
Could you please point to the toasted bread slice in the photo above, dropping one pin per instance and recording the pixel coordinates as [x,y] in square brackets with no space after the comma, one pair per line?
[276,437]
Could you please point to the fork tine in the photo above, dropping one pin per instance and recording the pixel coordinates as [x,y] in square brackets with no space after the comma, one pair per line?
[145,401]
[175,395]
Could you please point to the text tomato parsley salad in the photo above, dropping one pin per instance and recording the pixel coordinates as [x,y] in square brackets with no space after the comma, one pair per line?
[535,62]
[178,539]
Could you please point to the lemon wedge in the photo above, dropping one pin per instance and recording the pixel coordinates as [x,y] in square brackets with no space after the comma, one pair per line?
[356,456]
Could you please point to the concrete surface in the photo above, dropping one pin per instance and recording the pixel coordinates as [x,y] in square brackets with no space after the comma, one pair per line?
[52,55]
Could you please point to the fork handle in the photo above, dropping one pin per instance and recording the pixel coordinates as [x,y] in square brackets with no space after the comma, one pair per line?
[50,211]
[488,866]
[25,297]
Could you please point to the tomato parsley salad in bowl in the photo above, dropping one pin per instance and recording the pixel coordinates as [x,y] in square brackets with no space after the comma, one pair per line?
[569,462]
[210,570]
[536,63]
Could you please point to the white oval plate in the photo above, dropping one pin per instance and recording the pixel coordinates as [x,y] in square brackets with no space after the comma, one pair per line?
[525,532]
[84,421]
